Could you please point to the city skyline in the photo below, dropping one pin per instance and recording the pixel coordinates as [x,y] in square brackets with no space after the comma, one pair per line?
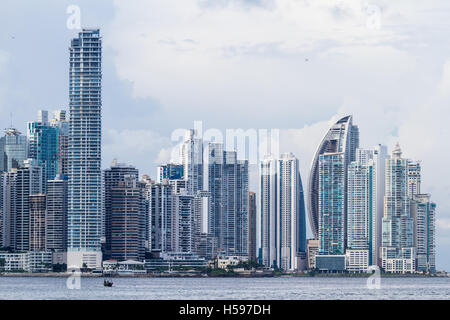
[303,158]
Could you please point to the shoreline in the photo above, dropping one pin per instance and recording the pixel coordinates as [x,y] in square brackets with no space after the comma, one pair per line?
[203,275]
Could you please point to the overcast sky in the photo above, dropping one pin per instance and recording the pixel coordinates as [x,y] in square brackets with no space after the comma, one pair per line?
[265,64]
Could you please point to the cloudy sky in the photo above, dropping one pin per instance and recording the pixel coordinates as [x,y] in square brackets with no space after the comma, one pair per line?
[292,65]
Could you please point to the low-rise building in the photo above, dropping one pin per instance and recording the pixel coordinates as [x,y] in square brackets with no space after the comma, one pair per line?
[32,261]
[224,262]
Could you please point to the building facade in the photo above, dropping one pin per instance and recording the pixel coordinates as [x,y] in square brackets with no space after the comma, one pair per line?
[342,137]
[85,197]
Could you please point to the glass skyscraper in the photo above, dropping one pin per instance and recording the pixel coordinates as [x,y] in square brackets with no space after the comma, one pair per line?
[43,146]
[228,186]
[84,158]
[283,223]
[13,150]
[332,204]
[342,137]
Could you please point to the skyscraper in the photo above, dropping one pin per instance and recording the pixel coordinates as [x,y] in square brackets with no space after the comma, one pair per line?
[112,177]
[342,137]
[13,150]
[61,124]
[84,215]
[365,196]
[228,186]
[37,222]
[332,204]
[43,145]
[282,209]
[56,219]
[397,251]
[423,214]
[169,171]
[127,218]
[252,227]
[28,181]
[192,160]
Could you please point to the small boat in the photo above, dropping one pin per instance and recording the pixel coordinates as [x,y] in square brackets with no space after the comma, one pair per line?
[108,283]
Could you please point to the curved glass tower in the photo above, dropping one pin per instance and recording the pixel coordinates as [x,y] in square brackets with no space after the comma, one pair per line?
[343,137]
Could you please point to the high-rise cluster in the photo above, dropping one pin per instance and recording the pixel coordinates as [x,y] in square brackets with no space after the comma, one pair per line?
[366,208]
[58,207]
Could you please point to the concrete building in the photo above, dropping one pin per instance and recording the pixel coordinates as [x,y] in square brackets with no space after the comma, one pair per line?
[85,177]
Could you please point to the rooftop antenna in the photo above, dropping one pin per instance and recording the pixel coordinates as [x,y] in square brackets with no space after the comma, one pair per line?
[11,118]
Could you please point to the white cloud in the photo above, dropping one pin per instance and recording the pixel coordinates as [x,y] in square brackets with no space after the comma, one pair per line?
[136,147]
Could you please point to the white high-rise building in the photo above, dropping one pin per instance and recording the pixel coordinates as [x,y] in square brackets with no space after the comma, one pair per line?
[397,251]
[282,213]
[84,159]
[365,193]
[192,160]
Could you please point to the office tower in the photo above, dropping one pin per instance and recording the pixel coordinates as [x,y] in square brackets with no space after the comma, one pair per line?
[343,137]
[269,211]
[423,214]
[228,186]
[9,208]
[161,218]
[332,204]
[172,217]
[397,251]
[85,198]
[204,243]
[13,150]
[292,238]
[37,222]
[192,160]
[252,227]
[2,200]
[216,190]
[127,220]
[183,212]
[43,145]
[56,220]
[365,194]
[283,225]
[28,181]
[170,171]
[235,228]
[112,177]
[61,124]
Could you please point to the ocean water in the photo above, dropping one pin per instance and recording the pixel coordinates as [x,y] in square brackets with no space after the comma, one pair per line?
[294,288]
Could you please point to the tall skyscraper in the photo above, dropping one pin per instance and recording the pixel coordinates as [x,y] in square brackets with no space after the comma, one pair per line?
[423,214]
[365,191]
[28,181]
[192,160]
[56,219]
[112,177]
[85,198]
[343,137]
[252,227]
[43,145]
[282,209]
[9,208]
[13,150]
[269,211]
[332,221]
[398,252]
[228,186]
